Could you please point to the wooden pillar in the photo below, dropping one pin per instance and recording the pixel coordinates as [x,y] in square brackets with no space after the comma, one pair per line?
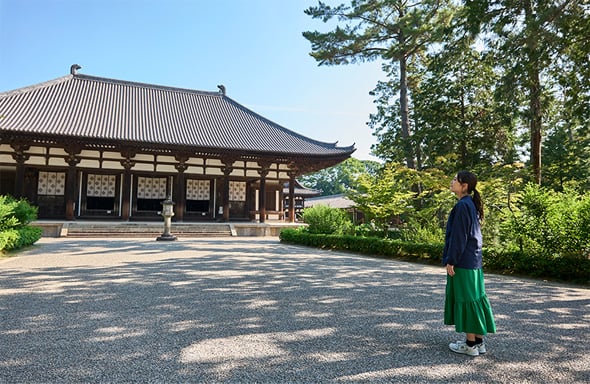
[262,199]
[262,194]
[20,157]
[291,197]
[70,192]
[126,190]
[19,183]
[126,198]
[71,178]
[180,190]
[225,195]
[180,197]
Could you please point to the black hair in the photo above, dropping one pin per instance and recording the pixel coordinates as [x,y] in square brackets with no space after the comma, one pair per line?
[470,179]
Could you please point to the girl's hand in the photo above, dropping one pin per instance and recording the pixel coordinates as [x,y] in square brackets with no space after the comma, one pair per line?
[450,270]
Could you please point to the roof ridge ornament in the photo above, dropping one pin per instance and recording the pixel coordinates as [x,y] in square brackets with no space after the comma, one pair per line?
[74,69]
[221,89]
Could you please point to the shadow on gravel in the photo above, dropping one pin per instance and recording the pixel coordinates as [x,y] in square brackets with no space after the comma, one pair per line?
[259,311]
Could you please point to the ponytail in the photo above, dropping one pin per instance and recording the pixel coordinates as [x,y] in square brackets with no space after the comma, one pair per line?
[471,180]
[478,203]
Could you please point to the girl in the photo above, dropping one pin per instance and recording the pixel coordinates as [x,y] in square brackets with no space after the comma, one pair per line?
[466,304]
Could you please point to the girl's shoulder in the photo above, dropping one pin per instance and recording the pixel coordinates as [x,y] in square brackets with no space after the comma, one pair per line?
[464,204]
[465,200]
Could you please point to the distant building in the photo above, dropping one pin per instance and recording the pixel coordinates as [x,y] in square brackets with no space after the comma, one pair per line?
[339,201]
[89,147]
[301,193]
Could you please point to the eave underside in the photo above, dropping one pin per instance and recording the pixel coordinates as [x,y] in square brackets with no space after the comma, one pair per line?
[298,163]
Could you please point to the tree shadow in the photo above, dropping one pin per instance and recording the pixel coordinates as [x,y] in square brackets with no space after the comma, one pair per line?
[255,310]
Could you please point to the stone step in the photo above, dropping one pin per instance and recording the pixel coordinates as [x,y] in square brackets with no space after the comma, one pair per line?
[146,230]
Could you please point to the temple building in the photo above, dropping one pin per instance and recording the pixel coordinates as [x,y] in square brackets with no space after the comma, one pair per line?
[86,147]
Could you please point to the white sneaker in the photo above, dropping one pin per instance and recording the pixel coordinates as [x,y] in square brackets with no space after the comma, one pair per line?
[462,347]
[481,347]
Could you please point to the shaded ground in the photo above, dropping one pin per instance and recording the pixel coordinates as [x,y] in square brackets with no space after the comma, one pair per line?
[252,309]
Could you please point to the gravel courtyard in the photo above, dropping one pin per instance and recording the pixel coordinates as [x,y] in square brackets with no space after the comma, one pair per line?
[255,310]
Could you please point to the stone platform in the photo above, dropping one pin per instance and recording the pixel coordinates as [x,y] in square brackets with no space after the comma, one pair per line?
[154,229]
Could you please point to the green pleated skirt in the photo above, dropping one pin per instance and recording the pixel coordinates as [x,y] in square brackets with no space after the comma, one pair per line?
[466,305]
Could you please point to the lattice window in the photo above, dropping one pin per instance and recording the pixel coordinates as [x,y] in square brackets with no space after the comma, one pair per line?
[237,191]
[51,184]
[101,186]
[197,189]
[151,187]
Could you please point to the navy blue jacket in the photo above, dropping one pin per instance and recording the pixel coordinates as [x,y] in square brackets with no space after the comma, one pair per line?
[463,239]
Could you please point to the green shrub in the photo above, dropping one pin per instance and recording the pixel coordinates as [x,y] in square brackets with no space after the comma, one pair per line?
[550,223]
[369,230]
[28,235]
[326,220]
[17,238]
[15,215]
[427,232]
[25,212]
[7,218]
[8,239]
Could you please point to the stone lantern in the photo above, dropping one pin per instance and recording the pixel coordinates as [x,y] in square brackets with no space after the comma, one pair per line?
[167,213]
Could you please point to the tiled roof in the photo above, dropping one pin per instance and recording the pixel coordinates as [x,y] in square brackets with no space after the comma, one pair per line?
[301,190]
[97,108]
[334,201]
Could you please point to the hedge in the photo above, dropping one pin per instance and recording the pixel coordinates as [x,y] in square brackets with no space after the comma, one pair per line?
[570,269]
[561,268]
[365,245]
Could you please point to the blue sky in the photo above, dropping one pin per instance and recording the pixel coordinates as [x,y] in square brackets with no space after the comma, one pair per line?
[253,47]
